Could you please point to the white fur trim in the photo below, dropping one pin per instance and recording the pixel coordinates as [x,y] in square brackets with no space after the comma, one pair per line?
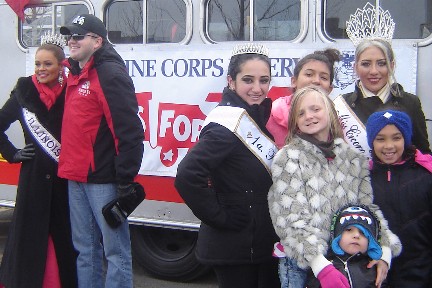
[293,153]
[286,201]
[291,167]
[276,170]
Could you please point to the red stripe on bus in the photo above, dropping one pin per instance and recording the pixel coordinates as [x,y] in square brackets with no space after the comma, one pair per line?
[9,173]
[159,188]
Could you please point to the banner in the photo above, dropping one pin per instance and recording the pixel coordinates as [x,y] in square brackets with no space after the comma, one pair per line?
[18,7]
[178,85]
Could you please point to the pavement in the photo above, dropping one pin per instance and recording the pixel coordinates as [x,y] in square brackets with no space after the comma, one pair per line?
[142,279]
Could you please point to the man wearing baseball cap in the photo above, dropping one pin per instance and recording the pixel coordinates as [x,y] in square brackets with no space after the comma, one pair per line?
[102,148]
[83,24]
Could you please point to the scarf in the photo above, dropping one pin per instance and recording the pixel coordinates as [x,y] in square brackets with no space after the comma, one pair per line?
[325,146]
[48,95]
[383,94]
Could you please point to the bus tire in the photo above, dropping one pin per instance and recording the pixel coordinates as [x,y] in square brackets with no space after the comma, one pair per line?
[166,253]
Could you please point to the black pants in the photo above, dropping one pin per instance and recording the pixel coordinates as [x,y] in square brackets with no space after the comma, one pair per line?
[262,275]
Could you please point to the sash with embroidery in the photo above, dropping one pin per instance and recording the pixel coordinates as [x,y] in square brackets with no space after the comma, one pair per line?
[238,121]
[42,136]
[353,129]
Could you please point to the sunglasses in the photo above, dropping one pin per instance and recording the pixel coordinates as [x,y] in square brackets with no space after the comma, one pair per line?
[78,37]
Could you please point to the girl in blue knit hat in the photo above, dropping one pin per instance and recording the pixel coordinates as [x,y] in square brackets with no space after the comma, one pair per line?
[402,186]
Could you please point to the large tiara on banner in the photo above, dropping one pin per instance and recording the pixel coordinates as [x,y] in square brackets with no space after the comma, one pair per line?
[250,48]
[370,22]
[56,39]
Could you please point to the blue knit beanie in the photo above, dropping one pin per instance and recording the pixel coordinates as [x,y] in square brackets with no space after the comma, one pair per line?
[378,120]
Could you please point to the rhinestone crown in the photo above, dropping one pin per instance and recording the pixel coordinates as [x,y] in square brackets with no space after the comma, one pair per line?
[250,48]
[56,39]
[370,22]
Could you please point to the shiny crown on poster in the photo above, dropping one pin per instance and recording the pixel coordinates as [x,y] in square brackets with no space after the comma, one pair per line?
[56,39]
[370,22]
[250,48]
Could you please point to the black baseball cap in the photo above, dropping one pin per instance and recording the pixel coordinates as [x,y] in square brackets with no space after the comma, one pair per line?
[83,24]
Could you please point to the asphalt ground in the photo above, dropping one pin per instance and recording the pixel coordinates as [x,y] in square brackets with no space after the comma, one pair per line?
[142,279]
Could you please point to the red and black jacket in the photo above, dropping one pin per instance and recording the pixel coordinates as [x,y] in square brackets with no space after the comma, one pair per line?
[102,136]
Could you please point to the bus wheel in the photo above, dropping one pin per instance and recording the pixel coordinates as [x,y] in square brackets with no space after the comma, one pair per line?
[166,253]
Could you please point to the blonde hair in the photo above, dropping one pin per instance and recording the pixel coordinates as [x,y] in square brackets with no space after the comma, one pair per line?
[334,125]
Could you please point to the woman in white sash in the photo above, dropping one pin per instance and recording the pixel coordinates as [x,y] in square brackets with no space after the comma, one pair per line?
[376,88]
[39,250]
[225,177]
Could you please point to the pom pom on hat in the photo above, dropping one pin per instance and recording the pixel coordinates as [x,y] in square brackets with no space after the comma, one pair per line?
[378,120]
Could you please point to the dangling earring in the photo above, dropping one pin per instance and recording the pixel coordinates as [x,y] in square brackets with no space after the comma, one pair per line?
[60,78]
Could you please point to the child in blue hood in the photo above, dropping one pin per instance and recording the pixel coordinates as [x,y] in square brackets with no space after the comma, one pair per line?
[355,242]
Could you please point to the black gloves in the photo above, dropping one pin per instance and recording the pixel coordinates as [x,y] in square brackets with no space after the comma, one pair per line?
[129,196]
[27,153]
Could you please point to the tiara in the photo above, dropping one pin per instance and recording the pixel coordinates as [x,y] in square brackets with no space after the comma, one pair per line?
[56,39]
[250,48]
[371,22]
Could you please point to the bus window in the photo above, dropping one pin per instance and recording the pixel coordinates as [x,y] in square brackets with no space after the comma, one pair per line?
[124,21]
[166,21]
[228,20]
[39,19]
[276,20]
[418,25]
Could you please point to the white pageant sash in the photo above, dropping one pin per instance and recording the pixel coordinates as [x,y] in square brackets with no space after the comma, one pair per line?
[354,130]
[42,136]
[238,121]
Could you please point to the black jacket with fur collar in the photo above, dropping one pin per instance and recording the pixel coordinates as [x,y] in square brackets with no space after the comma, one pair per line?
[42,202]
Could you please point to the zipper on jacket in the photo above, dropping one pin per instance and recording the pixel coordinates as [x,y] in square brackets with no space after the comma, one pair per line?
[388,174]
[347,269]
[251,254]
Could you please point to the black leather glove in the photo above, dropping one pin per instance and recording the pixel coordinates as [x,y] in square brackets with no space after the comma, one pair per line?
[129,196]
[27,153]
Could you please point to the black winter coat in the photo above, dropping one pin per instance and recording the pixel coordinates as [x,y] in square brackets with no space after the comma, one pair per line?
[409,103]
[239,182]
[354,268]
[406,201]
[42,198]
